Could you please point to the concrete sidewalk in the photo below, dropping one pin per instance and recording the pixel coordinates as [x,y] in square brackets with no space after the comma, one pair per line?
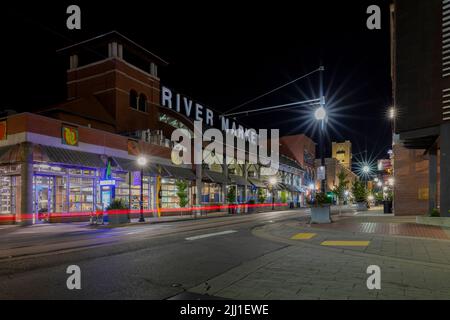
[322,262]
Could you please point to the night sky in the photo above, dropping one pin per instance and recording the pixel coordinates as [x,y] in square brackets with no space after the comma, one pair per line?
[222,53]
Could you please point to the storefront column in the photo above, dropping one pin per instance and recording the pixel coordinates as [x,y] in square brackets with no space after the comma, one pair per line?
[25,217]
[224,185]
[198,184]
[445,170]
[246,183]
[432,179]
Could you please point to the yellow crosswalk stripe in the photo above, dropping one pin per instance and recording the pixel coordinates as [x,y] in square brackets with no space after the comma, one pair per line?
[346,243]
[303,236]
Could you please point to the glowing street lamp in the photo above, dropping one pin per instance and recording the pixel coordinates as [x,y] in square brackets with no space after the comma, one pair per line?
[391,181]
[366,169]
[392,113]
[320,113]
[142,162]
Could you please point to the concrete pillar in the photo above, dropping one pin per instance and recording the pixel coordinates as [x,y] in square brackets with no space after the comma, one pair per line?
[432,179]
[246,182]
[73,61]
[198,184]
[225,185]
[25,215]
[445,169]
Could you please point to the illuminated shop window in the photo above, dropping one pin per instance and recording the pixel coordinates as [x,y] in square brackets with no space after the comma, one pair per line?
[10,194]
[81,194]
[211,193]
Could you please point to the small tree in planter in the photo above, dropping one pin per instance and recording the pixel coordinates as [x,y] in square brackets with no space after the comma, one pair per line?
[339,190]
[320,208]
[283,196]
[231,199]
[261,196]
[182,192]
[360,193]
[116,208]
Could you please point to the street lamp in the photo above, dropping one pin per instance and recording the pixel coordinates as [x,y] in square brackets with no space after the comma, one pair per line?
[272,182]
[142,162]
[320,113]
[366,169]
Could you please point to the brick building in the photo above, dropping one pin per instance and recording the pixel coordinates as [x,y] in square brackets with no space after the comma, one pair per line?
[421,92]
[72,159]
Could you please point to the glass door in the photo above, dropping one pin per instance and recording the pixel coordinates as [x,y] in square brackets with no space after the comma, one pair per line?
[43,204]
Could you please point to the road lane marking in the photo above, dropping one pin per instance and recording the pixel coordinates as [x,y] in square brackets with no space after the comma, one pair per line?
[202,236]
[303,236]
[346,243]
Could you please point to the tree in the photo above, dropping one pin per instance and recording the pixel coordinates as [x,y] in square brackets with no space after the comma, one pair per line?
[339,190]
[231,196]
[359,191]
[182,192]
[283,196]
[261,195]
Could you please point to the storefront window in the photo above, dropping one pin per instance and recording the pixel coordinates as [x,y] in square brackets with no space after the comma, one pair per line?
[81,194]
[147,194]
[10,194]
[212,193]
[61,194]
[169,195]
[123,191]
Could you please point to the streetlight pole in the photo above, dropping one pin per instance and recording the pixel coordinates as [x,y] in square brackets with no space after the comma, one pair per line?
[272,183]
[142,161]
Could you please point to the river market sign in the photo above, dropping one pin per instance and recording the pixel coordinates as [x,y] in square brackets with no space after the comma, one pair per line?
[198,112]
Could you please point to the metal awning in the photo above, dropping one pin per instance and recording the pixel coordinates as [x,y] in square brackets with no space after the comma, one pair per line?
[66,156]
[180,172]
[213,176]
[257,183]
[290,188]
[239,180]
[149,169]
[421,138]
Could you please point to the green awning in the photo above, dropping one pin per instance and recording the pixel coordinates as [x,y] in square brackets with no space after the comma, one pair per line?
[180,172]
[149,168]
[257,183]
[213,176]
[290,188]
[238,180]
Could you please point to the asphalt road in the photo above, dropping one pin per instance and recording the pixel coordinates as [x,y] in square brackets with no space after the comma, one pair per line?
[154,261]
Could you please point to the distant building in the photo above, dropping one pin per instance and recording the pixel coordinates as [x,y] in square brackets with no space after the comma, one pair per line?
[420,42]
[333,168]
[342,151]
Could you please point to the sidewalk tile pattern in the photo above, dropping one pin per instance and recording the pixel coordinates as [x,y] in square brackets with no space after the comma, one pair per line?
[399,229]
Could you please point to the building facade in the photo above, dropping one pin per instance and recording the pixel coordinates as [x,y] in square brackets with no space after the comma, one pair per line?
[342,151]
[333,167]
[68,161]
[421,94]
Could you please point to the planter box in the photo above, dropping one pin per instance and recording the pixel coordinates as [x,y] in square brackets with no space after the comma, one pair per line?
[117,218]
[434,221]
[320,214]
[361,206]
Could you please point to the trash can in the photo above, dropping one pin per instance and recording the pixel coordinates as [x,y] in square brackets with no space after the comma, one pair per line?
[387,207]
